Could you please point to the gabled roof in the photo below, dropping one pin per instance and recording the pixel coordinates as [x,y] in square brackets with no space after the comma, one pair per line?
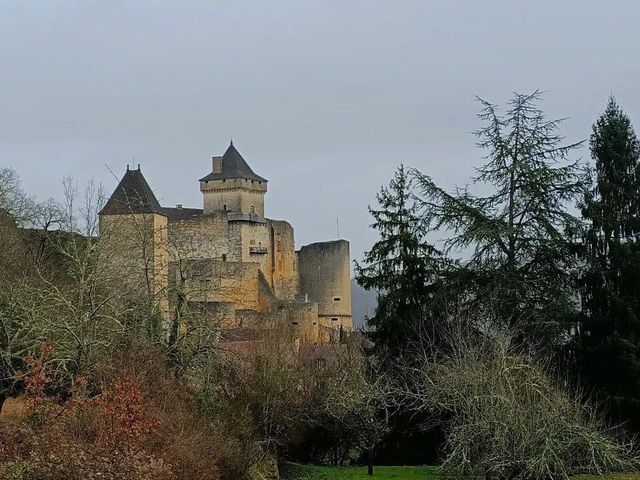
[233,166]
[132,195]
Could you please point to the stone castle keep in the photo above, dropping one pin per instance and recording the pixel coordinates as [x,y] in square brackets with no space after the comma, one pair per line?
[227,260]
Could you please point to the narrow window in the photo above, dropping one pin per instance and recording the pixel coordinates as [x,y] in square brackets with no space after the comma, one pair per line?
[336,299]
[224,257]
[334,319]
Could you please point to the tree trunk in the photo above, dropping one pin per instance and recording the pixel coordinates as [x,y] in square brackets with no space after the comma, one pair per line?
[370,464]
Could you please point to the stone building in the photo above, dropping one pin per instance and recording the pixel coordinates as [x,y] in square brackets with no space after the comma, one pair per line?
[227,260]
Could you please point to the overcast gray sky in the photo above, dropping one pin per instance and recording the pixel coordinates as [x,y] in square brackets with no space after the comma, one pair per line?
[324,98]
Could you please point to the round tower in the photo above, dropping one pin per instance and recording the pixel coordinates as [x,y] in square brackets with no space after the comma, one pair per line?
[233,187]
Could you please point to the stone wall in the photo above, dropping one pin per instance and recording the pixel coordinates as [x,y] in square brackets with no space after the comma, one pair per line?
[325,278]
[201,237]
[218,281]
[234,195]
[304,319]
[284,268]
[136,246]
[221,314]
[247,236]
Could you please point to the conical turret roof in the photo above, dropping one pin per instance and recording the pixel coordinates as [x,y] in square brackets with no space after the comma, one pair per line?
[132,195]
[233,166]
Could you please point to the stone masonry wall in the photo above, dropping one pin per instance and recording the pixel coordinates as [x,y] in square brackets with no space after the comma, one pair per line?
[284,268]
[203,237]
[325,278]
[136,246]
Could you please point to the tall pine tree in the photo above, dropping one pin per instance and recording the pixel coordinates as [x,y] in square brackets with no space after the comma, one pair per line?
[517,272]
[608,352]
[402,266]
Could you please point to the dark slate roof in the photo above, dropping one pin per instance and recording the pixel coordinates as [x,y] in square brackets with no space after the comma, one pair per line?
[177,214]
[132,195]
[234,166]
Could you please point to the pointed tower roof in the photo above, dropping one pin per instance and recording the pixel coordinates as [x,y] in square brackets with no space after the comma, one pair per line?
[233,166]
[132,195]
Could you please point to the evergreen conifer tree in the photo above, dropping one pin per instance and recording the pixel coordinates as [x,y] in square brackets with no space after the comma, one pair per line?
[518,263]
[608,352]
[402,266]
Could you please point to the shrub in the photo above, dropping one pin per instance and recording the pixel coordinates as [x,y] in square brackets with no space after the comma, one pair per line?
[511,420]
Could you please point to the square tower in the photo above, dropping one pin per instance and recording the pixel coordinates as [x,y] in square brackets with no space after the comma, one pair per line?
[233,187]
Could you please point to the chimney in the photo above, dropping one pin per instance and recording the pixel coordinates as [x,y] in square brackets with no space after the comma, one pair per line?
[217,164]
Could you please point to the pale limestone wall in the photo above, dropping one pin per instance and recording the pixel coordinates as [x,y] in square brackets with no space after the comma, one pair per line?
[245,235]
[235,195]
[325,278]
[304,319]
[218,281]
[203,237]
[284,268]
[161,260]
[221,314]
[136,246]
[267,298]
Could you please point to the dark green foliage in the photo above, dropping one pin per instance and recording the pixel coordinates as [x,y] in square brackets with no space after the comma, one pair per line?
[608,350]
[401,266]
[518,272]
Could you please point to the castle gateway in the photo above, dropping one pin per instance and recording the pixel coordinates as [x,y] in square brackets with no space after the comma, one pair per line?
[227,260]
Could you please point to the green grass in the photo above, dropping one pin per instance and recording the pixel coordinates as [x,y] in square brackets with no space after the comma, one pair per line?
[309,472]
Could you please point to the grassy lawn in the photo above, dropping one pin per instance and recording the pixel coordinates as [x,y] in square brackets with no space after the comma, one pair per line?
[309,472]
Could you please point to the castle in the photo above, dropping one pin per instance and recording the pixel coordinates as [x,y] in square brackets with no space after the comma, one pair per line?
[227,260]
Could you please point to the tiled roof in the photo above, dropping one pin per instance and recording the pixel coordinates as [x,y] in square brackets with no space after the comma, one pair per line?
[132,195]
[233,166]
[177,214]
